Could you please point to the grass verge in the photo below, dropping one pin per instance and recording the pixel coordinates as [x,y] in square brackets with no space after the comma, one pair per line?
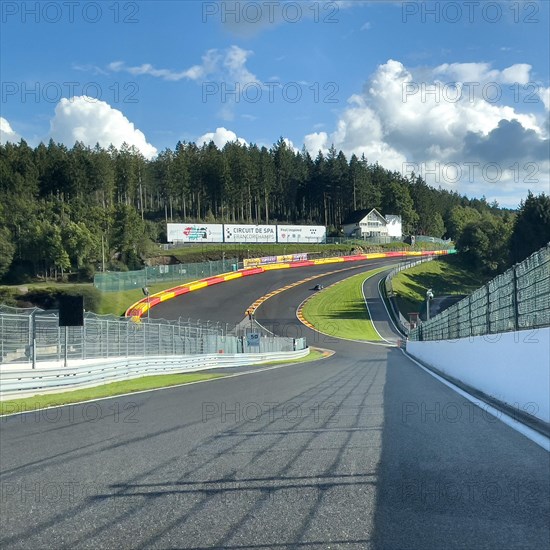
[106,390]
[124,386]
[116,303]
[340,310]
[445,276]
[314,355]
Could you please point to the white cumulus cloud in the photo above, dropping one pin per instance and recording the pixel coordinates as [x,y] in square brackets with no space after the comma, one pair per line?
[428,117]
[544,94]
[92,121]
[483,73]
[7,133]
[220,137]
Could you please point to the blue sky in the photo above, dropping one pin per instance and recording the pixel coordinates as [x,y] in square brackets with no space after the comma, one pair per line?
[457,92]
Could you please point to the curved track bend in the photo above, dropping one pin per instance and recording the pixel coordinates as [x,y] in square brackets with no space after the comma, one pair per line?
[363,450]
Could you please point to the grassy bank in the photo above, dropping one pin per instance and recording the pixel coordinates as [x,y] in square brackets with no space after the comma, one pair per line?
[445,276]
[104,303]
[340,310]
[116,303]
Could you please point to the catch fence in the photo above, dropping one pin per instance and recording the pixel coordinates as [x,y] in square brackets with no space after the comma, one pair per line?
[34,335]
[516,300]
[127,280]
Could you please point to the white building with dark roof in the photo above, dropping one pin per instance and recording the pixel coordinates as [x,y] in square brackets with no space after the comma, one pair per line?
[363,224]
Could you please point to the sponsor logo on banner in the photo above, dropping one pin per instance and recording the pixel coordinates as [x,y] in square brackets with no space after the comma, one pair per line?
[301,234]
[254,262]
[250,234]
[194,232]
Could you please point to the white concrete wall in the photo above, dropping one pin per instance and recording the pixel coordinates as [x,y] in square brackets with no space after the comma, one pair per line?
[513,367]
[395,229]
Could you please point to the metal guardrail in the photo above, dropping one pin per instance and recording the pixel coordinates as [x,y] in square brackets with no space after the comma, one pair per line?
[25,381]
[516,300]
[34,335]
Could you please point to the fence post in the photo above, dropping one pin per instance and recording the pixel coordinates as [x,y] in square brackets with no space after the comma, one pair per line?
[33,329]
[515,291]
[144,325]
[487,313]
[100,338]
[470,315]
[58,344]
[66,350]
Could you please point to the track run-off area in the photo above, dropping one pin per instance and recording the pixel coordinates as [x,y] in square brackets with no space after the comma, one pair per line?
[363,449]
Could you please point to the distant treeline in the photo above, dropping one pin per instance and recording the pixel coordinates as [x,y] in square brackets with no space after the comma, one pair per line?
[65,209]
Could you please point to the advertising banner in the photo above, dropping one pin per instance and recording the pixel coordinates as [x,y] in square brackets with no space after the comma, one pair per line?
[194,233]
[301,233]
[249,233]
[254,262]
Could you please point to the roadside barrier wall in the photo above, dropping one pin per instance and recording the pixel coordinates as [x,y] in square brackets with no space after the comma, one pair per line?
[511,367]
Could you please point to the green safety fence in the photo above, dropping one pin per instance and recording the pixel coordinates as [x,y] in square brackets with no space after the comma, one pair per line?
[516,300]
[181,273]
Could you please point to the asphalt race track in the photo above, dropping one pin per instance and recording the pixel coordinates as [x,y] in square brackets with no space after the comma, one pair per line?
[362,450]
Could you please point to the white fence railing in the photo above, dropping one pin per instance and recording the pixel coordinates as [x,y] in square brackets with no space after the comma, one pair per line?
[34,336]
[16,381]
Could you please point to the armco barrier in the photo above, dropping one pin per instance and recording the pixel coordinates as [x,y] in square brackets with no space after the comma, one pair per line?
[15,383]
[140,308]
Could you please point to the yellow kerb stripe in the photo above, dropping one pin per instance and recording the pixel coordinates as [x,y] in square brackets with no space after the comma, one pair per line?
[198,286]
[232,276]
[167,296]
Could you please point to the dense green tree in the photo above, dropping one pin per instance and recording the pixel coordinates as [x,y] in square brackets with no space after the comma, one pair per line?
[459,217]
[94,204]
[397,200]
[7,250]
[81,245]
[531,227]
[128,233]
[483,244]
[436,226]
